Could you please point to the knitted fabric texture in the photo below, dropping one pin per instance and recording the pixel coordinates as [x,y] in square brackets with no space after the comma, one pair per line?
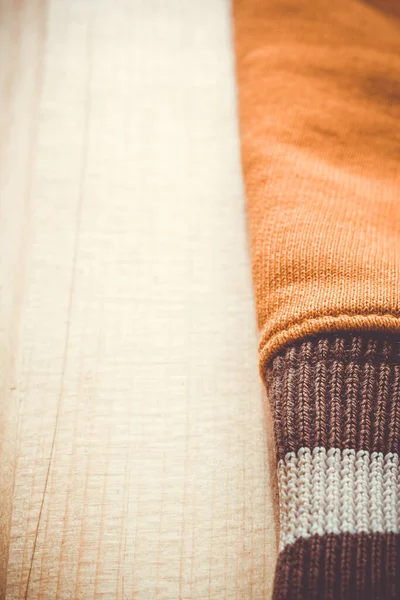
[336,406]
[319,106]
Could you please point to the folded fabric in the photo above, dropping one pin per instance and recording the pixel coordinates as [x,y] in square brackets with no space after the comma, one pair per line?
[319,105]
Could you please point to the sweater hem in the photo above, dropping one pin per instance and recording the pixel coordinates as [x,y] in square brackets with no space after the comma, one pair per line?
[270,345]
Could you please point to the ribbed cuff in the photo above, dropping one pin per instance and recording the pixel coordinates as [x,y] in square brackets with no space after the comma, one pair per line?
[336,405]
[346,566]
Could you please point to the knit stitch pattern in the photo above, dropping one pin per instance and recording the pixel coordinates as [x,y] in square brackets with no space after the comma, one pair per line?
[318,87]
[336,406]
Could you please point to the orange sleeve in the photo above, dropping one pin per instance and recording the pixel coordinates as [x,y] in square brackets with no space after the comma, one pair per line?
[319,103]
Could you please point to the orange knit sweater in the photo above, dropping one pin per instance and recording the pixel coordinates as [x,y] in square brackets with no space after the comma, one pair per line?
[319,106]
[319,102]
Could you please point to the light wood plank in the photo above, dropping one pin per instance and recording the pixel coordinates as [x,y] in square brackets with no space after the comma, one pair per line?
[133,457]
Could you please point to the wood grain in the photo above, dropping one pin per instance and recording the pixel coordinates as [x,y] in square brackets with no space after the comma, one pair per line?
[133,456]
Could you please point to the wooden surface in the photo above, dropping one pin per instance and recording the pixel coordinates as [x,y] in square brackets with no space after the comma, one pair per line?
[133,449]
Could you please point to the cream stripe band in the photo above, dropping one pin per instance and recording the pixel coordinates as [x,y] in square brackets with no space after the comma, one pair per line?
[337,491]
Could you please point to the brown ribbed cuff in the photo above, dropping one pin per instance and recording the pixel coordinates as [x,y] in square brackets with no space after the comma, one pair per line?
[345,566]
[337,391]
[336,405]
